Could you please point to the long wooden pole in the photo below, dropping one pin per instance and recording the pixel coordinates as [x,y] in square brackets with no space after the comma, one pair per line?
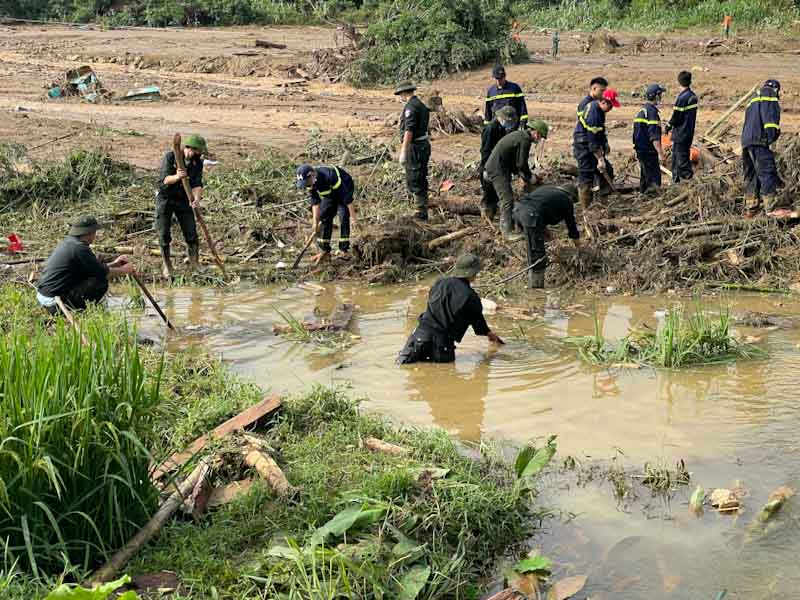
[70,319]
[178,150]
[730,111]
[305,247]
[152,300]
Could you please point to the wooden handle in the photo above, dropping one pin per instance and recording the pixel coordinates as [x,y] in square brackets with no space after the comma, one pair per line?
[152,300]
[305,247]
[178,150]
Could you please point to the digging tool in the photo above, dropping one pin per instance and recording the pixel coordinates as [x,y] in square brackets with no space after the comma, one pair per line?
[609,182]
[153,302]
[70,319]
[305,247]
[178,150]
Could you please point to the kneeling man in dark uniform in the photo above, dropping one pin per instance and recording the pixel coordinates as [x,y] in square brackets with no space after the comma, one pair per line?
[453,306]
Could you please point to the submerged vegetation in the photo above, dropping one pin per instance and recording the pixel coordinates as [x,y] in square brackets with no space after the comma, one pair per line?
[681,339]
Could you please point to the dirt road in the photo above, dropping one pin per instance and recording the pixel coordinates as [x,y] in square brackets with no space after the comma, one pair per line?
[216,82]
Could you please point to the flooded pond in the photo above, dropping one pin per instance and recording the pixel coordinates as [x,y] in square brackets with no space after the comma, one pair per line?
[733,425]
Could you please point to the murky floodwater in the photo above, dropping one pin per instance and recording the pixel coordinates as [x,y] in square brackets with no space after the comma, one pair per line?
[729,423]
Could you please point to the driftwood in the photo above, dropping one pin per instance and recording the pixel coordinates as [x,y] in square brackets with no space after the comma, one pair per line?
[268,469]
[224,494]
[109,570]
[240,421]
[253,253]
[338,320]
[729,112]
[197,502]
[377,445]
[463,206]
[268,44]
[451,237]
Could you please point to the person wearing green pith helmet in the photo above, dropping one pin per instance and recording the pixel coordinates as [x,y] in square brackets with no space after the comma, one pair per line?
[171,200]
[415,149]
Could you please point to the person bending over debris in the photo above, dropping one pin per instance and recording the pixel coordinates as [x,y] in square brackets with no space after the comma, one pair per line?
[546,205]
[331,191]
[415,151]
[647,140]
[762,127]
[453,306]
[505,121]
[73,272]
[171,200]
[504,93]
[510,157]
[590,144]
[682,124]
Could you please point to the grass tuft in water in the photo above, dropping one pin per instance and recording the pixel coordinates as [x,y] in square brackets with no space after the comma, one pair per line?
[680,340]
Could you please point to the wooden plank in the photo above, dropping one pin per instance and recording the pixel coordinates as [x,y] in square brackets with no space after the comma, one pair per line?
[244,419]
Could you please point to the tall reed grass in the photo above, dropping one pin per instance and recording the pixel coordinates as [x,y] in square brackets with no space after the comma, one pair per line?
[73,461]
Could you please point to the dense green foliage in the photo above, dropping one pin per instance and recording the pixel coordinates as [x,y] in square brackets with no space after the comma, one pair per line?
[418,39]
[74,421]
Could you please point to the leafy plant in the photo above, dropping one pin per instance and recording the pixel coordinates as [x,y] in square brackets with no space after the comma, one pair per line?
[98,592]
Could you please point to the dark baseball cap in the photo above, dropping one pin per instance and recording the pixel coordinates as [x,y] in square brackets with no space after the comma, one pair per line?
[303,173]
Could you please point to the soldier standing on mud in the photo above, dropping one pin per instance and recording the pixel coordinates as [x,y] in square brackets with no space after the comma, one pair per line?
[682,124]
[504,122]
[762,128]
[415,151]
[171,200]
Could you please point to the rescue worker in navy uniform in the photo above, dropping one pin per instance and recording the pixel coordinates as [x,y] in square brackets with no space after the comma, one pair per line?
[504,122]
[453,307]
[415,151]
[647,140]
[597,88]
[682,124]
[590,144]
[546,205]
[331,191]
[510,157]
[73,272]
[762,127]
[171,200]
[504,93]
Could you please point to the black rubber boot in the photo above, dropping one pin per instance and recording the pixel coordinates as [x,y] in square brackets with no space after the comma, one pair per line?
[535,280]
[166,266]
[194,256]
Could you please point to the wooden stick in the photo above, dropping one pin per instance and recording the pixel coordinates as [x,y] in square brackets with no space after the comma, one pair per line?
[70,319]
[451,237]
[109,570]
[665,171]
[609,182]
[152,300]
[730,111]
[178,150]
[254,252]
[305,247]
[58,139]
[269,470]
[510,277]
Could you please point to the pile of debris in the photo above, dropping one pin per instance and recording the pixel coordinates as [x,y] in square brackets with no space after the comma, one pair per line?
[451,122]
[81,82]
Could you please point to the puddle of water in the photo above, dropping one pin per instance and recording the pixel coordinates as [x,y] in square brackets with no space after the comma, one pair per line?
[728,422]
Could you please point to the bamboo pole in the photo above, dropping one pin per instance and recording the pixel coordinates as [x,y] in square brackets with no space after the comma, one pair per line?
[70,319]
[730,111]
[181,164]
[153,302]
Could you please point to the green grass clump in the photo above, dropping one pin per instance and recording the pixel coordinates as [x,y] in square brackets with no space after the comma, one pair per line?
[73,466]
[417,40]
[362,524]
[658,15]
[681,340]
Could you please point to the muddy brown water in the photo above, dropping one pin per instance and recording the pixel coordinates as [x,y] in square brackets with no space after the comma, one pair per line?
[732,424]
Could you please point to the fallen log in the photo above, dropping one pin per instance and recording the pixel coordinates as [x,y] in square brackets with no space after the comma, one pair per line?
[268,469]
[195,505]
[109,570]
[377,445]
[463,206]
[239,422]
[451,237]
[268,44]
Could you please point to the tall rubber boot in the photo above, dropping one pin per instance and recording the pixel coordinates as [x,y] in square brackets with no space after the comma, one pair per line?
[585,195]
[194,256]
[506,225]
[422,206]
[166,266]
[752,205]
[535,280]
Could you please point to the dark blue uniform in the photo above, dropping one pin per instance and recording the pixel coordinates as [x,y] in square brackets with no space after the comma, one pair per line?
[498,97]
[682,123]
[333,191]
[761,129]
[589,136]
[646,130]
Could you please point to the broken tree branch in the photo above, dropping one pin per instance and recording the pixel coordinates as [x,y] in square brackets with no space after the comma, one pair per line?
[730,111]
[451,237]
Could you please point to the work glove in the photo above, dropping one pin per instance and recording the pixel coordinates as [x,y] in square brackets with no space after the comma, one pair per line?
[601,165]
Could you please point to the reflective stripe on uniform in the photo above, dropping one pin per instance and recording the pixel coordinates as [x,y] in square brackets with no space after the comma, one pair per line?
[523,118]
[646,122]
[582,118]
[335,186]
[504,97]
[763,99]
[771,126]
[685,108]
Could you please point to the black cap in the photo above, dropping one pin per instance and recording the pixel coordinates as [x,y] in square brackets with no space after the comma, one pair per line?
[498,71]
[84,226]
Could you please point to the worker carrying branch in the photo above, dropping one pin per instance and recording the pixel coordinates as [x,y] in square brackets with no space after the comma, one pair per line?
[762,127]
[415,149]
[510,157]
[682,124]
[330,191]
[504,93]
[590,145]
[453,307]
[647,140]
[504,122]
[546,205]
[74,273]
[171,200]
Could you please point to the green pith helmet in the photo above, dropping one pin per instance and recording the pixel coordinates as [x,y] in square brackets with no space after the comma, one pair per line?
[406,86]
[196,142]
[467,266]
[541,127]
[84,226]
